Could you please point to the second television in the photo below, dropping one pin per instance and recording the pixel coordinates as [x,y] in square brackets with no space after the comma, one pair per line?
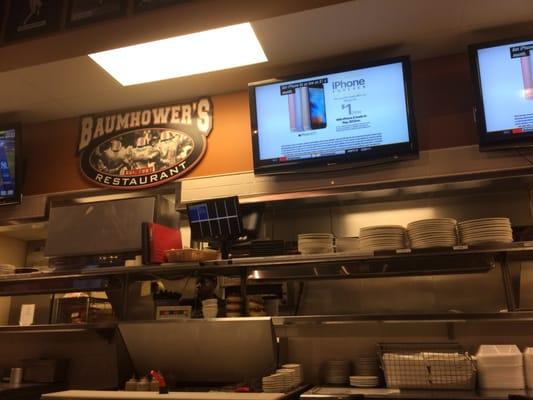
[357,114]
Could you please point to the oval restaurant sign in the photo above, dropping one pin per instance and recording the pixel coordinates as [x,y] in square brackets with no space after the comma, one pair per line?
[144,148]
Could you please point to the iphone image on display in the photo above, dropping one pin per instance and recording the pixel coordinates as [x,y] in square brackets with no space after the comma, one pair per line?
[527,76]
[317,106]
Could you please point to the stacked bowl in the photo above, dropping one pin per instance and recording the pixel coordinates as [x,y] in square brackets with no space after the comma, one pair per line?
[382,237]
[210,308]
[486,231]
[435,232]
[313,243]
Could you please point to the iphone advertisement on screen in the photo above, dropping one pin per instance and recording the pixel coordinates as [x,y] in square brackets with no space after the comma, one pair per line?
[506,80]
[332,114]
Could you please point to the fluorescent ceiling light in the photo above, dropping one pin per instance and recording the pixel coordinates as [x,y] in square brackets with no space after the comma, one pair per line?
[196,53]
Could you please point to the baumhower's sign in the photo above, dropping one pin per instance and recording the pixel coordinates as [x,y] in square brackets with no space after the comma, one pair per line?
[147,147]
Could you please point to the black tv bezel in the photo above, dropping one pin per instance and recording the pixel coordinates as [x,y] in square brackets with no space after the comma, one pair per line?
[487,143]
[406,150]
[17,196]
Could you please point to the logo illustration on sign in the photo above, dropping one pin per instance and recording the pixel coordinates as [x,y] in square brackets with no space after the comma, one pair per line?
[144,148]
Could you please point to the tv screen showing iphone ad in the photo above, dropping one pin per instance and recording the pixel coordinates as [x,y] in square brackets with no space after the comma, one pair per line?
[333,114]
[506,80]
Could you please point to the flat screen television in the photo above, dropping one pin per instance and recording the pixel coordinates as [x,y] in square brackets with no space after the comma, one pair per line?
[10,164]
[503,82]
[355,114]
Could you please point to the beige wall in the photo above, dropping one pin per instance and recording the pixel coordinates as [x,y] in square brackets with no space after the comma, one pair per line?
[12,251]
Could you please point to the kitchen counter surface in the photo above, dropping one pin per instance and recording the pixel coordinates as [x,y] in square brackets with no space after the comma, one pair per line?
[112,395]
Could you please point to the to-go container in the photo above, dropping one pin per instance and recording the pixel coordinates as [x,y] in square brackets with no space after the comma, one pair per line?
[528,363]
[500,367]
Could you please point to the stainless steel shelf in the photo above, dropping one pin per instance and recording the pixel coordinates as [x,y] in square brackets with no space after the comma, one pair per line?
[402,318]
[459,260]
[57,328]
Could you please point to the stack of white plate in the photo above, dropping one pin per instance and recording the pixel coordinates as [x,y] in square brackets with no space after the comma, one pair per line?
[7,269]
[364,381]
[382,237]
[291,378]
[298,370]
[336,372]
[486,230]
[274,383]
[435,232]
[312,243]
[367,366]
[210,308]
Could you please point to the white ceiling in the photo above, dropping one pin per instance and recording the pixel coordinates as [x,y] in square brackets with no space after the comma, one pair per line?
[422,28]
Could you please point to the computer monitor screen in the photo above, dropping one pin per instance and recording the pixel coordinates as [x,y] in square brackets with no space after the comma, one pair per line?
[503,79]
[353,114]
[216,219]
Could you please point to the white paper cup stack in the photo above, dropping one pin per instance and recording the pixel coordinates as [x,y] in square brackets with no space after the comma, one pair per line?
[210,308]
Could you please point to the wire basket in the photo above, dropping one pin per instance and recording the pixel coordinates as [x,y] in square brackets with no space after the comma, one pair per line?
[427,366]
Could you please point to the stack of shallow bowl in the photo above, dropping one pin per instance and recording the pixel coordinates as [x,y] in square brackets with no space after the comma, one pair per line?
[435,232]
[486,231]
[313,243]
[382,237]
[364,381]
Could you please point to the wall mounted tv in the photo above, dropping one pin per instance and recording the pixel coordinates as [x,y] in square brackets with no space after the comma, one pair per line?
[10,164]
[503,81]
[359,114]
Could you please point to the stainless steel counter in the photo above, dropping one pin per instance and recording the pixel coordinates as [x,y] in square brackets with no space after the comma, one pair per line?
[320,392]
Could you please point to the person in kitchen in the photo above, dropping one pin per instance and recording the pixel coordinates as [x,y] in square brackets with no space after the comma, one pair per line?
[206,286]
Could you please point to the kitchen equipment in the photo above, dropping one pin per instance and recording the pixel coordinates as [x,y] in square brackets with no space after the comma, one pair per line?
[500,367]
[45,370]
[211,351]
[427,366]
[82,309]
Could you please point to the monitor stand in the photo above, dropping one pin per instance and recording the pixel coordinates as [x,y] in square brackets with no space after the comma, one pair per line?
[225,247]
